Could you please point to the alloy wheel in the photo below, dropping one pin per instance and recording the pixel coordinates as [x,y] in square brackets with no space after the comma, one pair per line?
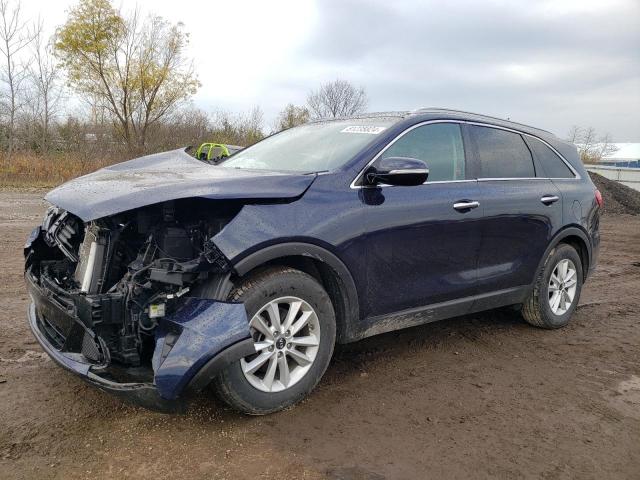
[562,286]
[286,335]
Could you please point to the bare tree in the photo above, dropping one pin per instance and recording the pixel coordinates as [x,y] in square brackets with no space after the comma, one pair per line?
[241,129]
[188,126]
[14,37]
[588,139]
[592,148]
[291,116]
[45,77]
[574,134]
[336,99]
[605,147]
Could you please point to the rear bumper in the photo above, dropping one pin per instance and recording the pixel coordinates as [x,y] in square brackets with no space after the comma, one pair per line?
[192,345]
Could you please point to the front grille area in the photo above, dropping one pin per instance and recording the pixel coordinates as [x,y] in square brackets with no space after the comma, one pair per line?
[90,348]
[66,316]
[53,334]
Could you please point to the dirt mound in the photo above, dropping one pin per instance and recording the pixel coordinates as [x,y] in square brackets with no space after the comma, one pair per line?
[618,198]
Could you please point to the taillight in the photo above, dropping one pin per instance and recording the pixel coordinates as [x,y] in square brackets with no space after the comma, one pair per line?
[599,198]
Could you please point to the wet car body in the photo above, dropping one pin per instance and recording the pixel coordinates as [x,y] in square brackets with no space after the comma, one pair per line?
[154,230]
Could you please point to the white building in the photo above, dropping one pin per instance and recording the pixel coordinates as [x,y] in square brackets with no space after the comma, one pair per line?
[626,155]
[623,165]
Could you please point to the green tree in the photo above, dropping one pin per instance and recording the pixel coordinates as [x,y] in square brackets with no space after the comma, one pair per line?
[291,116]
[135,70]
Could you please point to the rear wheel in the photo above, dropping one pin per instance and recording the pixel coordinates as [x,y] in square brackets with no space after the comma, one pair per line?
[557,289]
[293,327]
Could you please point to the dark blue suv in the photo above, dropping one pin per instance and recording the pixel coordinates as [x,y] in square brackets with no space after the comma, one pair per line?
[156,277]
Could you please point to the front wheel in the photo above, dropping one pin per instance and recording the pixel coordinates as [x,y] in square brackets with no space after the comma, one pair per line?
[557,289]
[293,326]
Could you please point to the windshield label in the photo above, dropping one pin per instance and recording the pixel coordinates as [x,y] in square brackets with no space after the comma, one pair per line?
[371,130]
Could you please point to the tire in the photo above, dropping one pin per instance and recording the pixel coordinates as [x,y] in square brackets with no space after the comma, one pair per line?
[537,310]
[246,392]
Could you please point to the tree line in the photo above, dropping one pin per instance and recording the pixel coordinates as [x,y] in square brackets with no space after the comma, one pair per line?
[133,83]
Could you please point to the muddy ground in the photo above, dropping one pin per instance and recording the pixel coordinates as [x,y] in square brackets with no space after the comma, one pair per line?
[481,396]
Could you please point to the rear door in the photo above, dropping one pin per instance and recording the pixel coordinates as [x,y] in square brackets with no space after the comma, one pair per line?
[521,210]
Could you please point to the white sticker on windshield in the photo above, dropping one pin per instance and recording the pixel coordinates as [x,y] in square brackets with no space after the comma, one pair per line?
[371,130]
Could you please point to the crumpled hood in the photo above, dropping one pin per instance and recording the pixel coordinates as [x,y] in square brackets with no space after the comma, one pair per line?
[169,176]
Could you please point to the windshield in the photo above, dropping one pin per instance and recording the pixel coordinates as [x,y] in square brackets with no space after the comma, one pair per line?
[314,147]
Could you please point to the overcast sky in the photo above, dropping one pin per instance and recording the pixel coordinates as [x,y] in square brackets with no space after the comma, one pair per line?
[552,64]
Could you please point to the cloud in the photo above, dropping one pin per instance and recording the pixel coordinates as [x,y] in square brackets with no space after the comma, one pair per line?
[550,63]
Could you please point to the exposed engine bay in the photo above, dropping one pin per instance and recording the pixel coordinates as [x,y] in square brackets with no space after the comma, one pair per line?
[130,273]
[121,274]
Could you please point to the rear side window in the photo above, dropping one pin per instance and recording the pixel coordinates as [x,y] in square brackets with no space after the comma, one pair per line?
[502,154]
[551,163]
[439,145]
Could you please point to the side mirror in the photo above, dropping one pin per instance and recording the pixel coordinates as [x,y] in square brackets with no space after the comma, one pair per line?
[401,171]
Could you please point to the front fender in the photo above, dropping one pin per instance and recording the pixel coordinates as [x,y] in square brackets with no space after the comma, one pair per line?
[348,295]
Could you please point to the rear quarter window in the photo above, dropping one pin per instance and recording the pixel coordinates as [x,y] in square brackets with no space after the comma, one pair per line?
[552,165]
[502,154]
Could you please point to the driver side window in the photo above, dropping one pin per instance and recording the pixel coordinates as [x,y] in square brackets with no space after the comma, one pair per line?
[439,145]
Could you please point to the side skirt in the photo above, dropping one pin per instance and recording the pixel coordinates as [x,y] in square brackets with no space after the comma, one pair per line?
[438,311]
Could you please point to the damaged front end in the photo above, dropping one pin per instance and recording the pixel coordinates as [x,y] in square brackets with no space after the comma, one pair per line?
[123,300]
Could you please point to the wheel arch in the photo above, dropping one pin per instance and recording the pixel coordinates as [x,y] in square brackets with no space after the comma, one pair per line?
[321,264]
[578,239]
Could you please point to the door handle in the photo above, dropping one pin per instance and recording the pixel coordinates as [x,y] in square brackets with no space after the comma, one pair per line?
[549,199]
[466,205]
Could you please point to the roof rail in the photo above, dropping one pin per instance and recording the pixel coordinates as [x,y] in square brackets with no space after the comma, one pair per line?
[453,110]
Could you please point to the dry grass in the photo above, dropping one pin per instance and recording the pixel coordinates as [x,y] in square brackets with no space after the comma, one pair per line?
[31,169]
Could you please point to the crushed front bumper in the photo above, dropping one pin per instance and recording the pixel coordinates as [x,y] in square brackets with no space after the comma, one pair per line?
[192,345]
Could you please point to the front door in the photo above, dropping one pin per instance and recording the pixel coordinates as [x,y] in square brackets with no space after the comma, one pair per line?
[423,241]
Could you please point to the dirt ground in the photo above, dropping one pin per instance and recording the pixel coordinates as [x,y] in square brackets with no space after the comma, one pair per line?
[481,396]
